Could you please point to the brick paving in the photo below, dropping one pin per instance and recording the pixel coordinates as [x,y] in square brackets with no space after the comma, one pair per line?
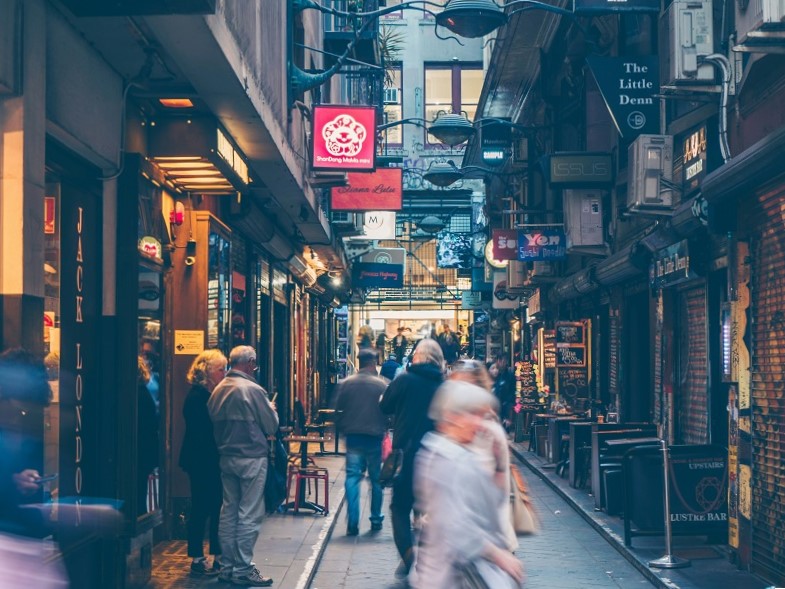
[566,554]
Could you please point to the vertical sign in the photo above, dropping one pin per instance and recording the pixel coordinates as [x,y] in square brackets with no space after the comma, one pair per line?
[79,369]
[740,354]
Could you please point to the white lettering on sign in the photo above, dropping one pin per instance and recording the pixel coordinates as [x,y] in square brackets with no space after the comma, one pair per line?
[636,80]
[693,170]
[538,239]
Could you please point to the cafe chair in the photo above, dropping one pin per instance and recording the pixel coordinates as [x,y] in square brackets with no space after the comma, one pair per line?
[304,427]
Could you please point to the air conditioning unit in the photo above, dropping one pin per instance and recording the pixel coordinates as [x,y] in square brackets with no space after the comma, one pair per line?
[690,37]
[583,218]
[759,22]
[517,277]
[328,179]
[308,278]
[649,173]
[391,96]
[297,265]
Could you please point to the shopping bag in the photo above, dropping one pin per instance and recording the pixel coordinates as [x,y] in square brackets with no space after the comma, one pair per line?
[391,467]
[524,518]
[386,445]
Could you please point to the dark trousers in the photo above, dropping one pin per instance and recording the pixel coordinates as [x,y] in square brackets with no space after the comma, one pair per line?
[206,499]
[401,509]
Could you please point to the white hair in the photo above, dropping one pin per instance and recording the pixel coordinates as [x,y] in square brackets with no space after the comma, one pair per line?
[458,396]
[241,355]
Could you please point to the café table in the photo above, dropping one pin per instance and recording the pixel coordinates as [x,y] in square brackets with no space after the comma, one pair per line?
[304,441]
[329,416]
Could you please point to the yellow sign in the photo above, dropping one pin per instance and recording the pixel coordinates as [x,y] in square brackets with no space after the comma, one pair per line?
[733,496]
[188,341]
[740,355]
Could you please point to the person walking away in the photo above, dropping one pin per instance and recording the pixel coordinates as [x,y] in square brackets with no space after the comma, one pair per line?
[400,343]
[381,343]
[199,459]
[360,418]
[389,368]
[242,419]
[462,527]
[490,443]
[449,344]
[407,399]
[503,389]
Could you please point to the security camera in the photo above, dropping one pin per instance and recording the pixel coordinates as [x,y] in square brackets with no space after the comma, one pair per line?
[190,260]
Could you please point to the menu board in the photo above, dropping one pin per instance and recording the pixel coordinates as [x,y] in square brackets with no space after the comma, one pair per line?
[570,333]
[573,382]
[549,348]
[571,356]
[528,382]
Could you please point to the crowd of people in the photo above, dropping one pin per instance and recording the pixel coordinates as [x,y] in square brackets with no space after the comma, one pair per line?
[450,508]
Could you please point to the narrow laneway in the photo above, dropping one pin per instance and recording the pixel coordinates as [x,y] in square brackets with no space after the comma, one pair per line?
[566,554]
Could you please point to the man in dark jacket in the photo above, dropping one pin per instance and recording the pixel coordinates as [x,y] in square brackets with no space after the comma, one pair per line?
[400,343]
[407,399]
[389,368]
[450,345]
[361,420]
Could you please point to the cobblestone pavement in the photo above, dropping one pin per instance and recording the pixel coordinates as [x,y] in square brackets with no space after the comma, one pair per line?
[566,554]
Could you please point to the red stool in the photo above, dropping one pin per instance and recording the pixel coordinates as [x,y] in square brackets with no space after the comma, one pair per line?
[301,475]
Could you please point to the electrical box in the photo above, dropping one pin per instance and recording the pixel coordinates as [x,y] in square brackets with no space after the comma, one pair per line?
[690,37]
[650,173]
[758,21]
[542,270]
[517,277]
[583,222]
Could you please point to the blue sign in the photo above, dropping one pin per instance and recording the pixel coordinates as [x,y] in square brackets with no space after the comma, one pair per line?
[374,275]
[606,6]
[548,244]
[629,86]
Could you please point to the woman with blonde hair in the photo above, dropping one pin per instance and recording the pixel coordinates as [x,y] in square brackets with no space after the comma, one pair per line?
[462,534]
[199,459]
[490,444]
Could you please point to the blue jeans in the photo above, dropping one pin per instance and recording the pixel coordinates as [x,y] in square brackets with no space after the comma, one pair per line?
[363,452]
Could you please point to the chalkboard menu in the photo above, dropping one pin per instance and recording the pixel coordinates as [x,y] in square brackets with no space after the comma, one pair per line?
[614,345]
[573,382]
[528,382]
[572,333]
[571,356]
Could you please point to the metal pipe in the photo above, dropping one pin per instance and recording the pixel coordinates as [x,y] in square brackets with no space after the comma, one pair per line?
[723,64]
[669,561]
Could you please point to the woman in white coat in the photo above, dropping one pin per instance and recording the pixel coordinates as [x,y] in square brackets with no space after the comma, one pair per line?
[461,502]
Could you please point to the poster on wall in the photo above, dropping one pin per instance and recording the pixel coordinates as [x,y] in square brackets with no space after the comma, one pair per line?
[453,250]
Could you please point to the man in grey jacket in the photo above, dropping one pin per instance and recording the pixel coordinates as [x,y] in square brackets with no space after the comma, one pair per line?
[242,419]
[361,420]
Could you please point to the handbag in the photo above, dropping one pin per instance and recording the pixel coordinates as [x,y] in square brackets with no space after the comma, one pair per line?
[386,445]
[391,468]
[524,517]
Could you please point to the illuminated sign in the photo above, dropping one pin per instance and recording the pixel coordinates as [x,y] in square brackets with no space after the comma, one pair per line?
[505,244]
[694,159]
[344,138]
[545,244]
[381,190]
[580,169]
[228,153]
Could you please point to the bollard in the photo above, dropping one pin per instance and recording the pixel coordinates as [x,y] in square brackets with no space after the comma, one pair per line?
[668,561]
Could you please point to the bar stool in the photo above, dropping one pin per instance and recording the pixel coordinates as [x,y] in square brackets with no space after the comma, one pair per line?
[307,474]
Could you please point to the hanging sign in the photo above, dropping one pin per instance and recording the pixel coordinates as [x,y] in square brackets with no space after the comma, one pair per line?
[501,298]
[542,244]
[471,299]
[379,225]
[580,169]
[671,265]
[374,275]
[629,86]
[505,244]
[385,255]
[344,138]
[376,191]
[600,6]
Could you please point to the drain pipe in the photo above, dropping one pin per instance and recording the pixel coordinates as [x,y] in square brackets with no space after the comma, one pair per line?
[722,63]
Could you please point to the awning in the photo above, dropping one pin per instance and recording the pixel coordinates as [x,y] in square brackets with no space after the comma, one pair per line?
[689,217]
[627,263]
[753,167]
[579,283]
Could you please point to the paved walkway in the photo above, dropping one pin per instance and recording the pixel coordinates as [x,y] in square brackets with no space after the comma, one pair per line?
[288,548]
[567,553]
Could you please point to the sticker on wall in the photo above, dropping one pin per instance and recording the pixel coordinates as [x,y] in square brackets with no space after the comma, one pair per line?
[188,341]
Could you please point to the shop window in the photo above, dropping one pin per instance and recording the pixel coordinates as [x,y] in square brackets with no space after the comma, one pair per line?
[218,284]
[393,106]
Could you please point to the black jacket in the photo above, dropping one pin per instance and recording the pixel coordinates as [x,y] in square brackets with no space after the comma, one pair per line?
[357,404]
[199,454]
[407,399]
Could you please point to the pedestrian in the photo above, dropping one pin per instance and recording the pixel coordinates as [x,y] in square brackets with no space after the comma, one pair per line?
[389,368]
[381,343]
[462,529]
[360,418]
[242,419]
[199,459]
[146,435]
[449,344]
[407,399]
[490,444]
[400,343]
[503,389]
